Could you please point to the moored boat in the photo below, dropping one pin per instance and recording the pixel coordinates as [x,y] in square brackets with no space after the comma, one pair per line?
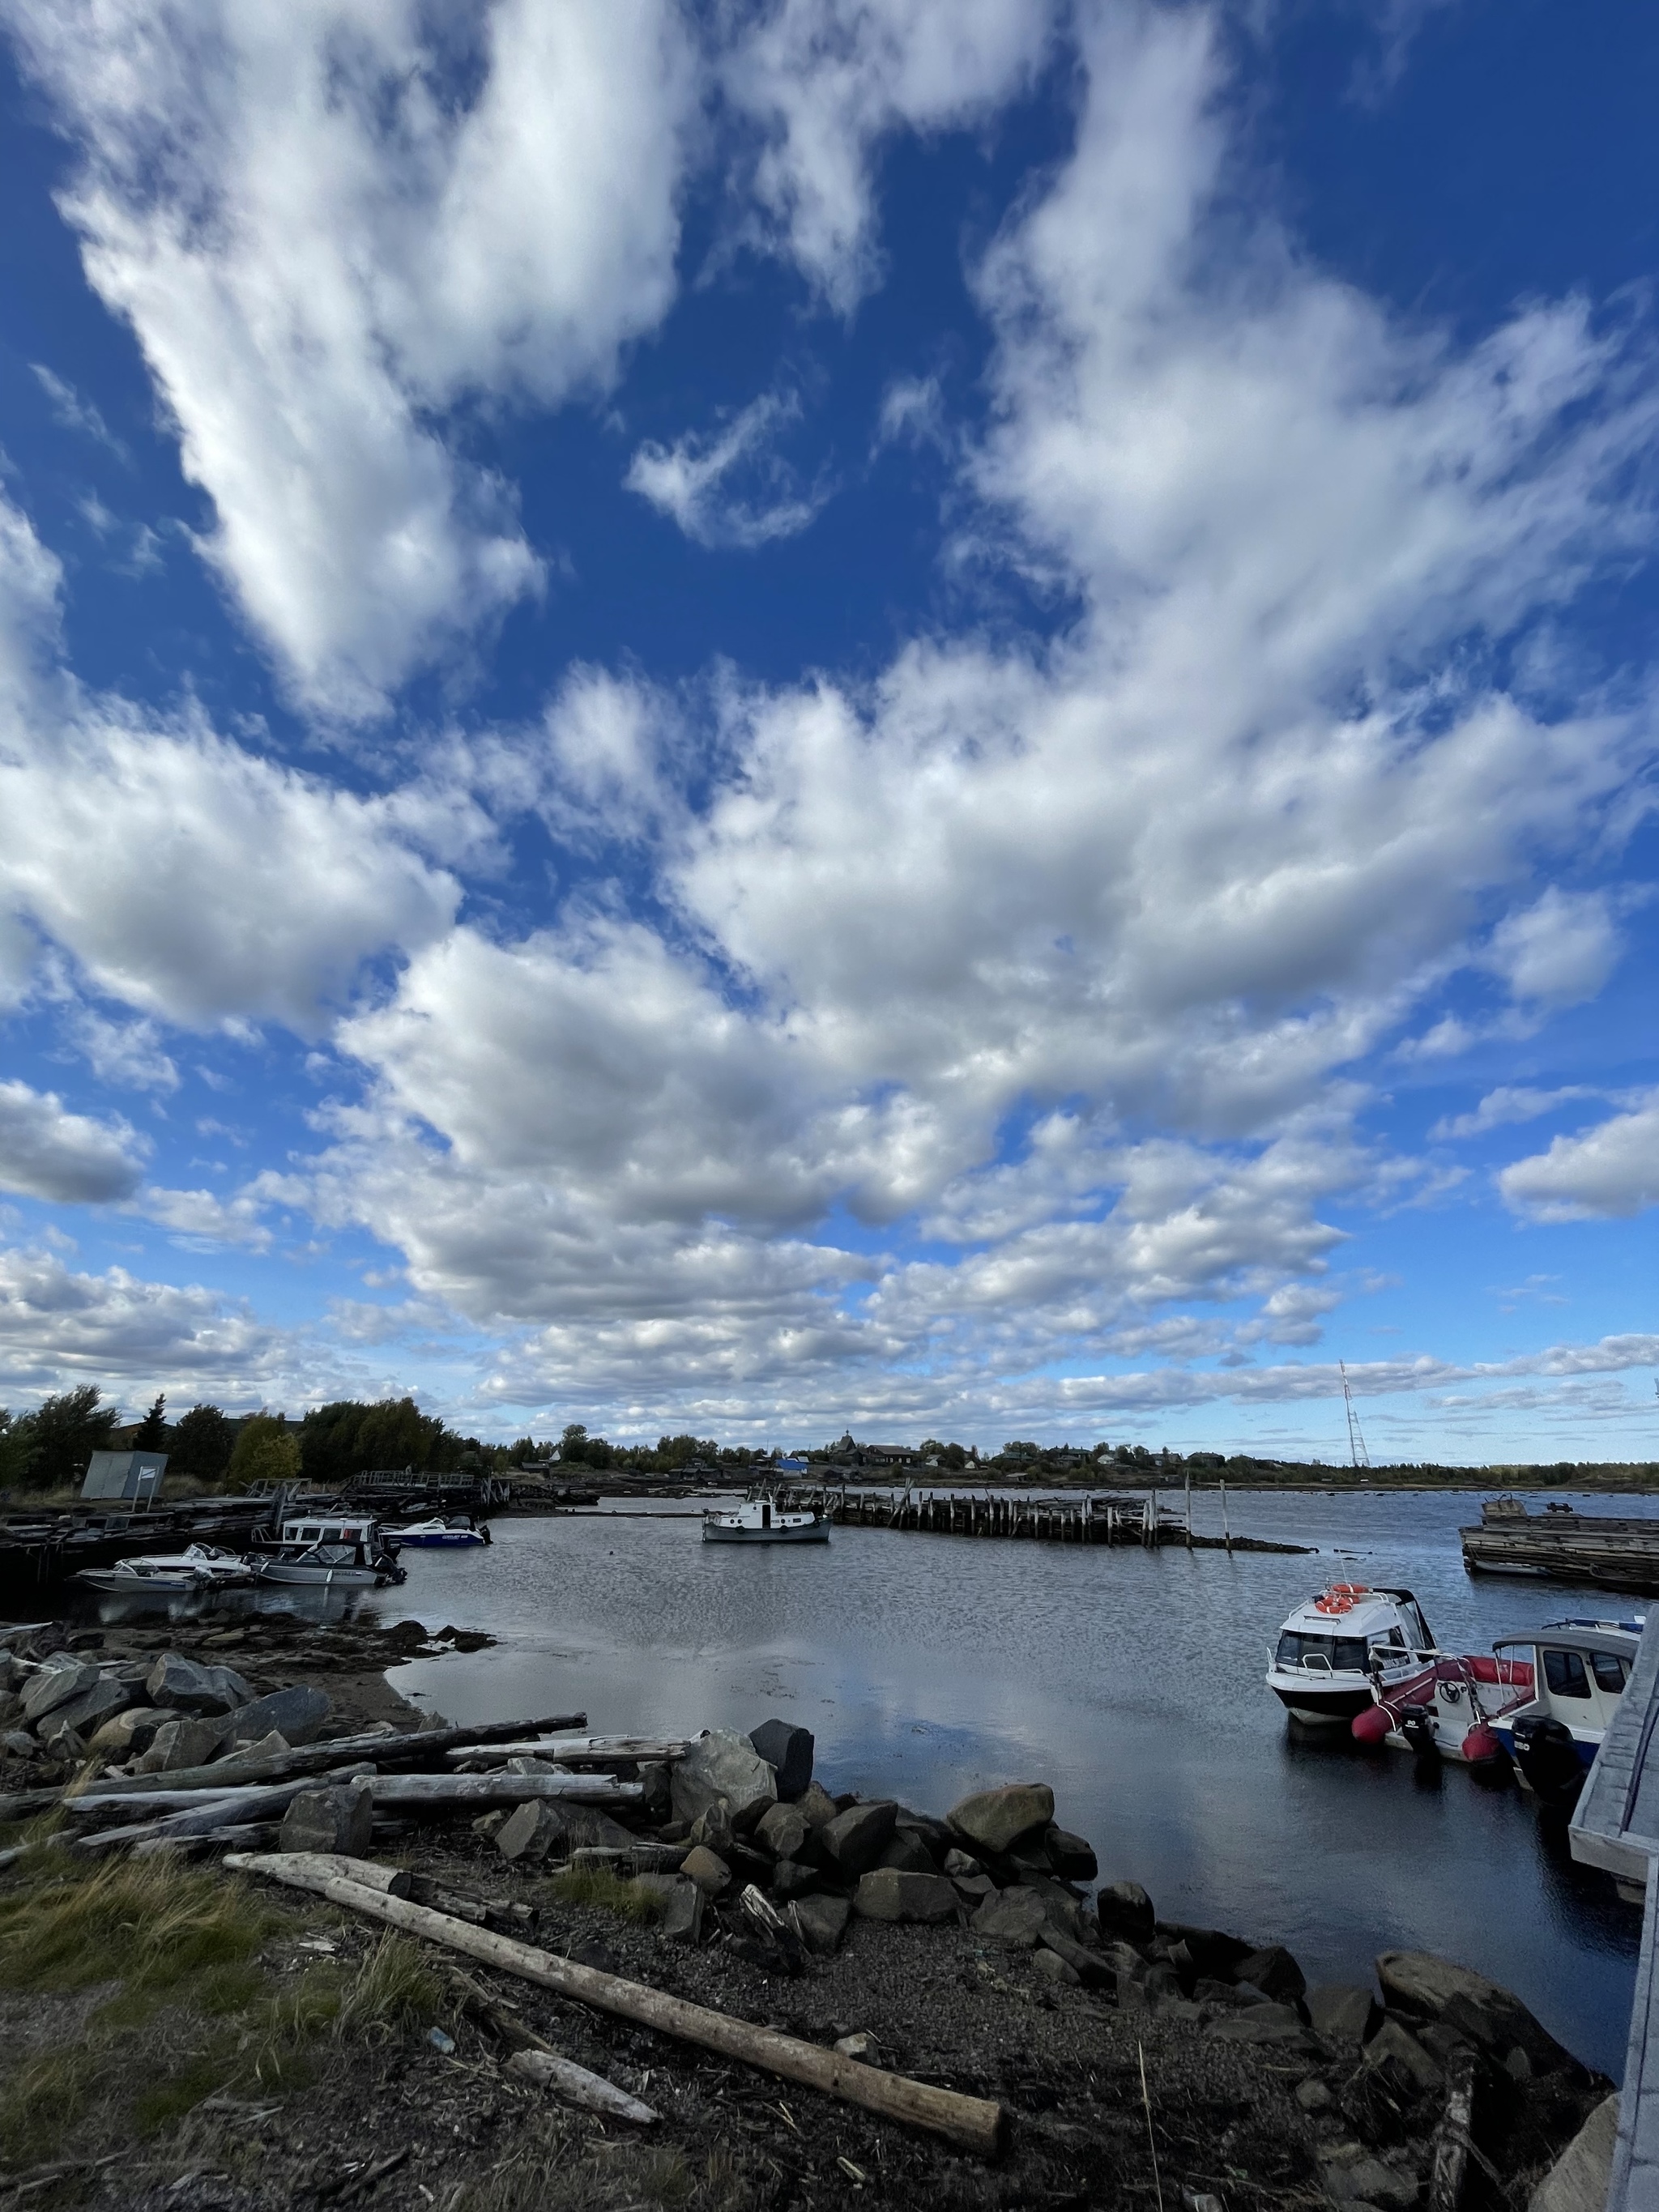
[456,1534]
[758,1521]
[328,1551]
[1333,1648]
[1580,1668]
[198,1566]
[1449,1707]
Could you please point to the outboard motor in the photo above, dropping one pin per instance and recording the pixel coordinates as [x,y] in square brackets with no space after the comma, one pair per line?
[1548,1758]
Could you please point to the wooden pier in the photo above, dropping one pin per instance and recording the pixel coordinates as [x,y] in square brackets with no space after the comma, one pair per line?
[1611,1552]
[1114,1518]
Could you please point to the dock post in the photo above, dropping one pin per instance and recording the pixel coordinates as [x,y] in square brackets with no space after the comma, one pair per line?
[1189,1510]
[1227,1533]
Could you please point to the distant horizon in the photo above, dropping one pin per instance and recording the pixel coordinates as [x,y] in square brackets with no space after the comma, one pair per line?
[711,712]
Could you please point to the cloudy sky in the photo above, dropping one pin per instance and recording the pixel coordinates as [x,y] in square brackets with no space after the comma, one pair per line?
[835,711]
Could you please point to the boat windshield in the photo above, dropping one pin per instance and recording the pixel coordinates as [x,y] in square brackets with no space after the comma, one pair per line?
[1344,1654]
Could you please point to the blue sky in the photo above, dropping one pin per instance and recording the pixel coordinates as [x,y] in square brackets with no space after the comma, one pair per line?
[835,712]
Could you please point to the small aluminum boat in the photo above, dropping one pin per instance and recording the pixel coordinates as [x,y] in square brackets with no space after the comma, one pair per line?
[436,1534]
[328,1551]
[198,1566]
[758,1521]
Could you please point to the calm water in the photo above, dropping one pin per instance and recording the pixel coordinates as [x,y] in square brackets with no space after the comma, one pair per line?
[928,1665]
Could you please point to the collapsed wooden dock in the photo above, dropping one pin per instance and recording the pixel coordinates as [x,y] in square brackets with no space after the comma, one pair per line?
[1113,1518]
[1611,1552]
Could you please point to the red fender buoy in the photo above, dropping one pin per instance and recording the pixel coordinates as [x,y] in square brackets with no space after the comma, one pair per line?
[1372,1726]
[1482,1744]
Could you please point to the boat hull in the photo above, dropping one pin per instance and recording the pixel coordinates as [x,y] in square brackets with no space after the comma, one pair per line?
[819,1534]
[1336,1707]
[460,1541]
[304,1577]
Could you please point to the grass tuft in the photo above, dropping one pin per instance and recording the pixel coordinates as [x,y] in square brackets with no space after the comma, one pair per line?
[599,1887]
[393,1989]
[150,1924]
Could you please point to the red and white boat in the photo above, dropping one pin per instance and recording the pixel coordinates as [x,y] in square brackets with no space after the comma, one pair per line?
[1449,1705]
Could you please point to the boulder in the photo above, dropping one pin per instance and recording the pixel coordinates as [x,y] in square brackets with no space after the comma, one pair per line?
[1124,1909]
[791,1879]
[1208,1950]
[1262,2023]
[817,1805]
[657,1795]
[271,1746]
[723,1765]
[713,1827]
[682,1913]
[996,1819]
[527,1762]
[338,1819]
[961,1865]
[1070,1856]
[788,1751]
[855,1839]
[907,1851]
[821,1922]
[1395,2054]
[180,1743]
[1014,1916]
[1087,1965]
[177,1681]
[1340,2012]
[1351,2175]
[1274,1973]
[783,1830]
[56,1686]
[530,1831]
[298,1715]
[974,1888]
[87,1713]
[889,1893]
[1420,1982]
[1577,2182]
[710,1873]
[1050,1966]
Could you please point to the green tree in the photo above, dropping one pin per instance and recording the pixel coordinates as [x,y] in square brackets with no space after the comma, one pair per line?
[65,1431]
[267,1450]
[16,1447]
[203,1441]
[152,1434]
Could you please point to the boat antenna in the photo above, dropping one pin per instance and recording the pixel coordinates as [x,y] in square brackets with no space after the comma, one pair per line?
[1356,1437]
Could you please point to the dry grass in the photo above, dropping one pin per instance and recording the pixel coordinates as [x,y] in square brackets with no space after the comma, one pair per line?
[598,1886]
[149,1923]
[555,2165]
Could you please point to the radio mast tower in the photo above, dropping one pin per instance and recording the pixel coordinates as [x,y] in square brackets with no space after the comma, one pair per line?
[1356,1437]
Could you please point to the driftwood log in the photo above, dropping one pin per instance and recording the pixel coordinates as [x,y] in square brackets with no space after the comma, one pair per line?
[971,2123]
[537,2062]
[385,1746]
[578,1750]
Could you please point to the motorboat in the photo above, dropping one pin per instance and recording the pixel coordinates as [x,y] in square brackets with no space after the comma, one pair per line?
[198,1566]
[329,1551]
[1449,1707]
[1336,1646]
[759,1521]
[1579,1670]
[436,1534]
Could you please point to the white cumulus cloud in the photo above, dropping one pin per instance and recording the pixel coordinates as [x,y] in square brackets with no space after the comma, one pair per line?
[1610,1171]
[47,1151]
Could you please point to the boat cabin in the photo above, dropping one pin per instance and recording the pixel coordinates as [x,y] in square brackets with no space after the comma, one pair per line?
[337,1528]
[1333,1647]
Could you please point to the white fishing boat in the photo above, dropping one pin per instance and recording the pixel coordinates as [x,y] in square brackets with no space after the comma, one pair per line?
[1333,1648]
[328,1551]
[198,1566]
[1578,1669]
[437,1535]
[758,1521]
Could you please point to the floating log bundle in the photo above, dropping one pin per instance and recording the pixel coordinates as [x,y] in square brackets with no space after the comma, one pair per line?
[1561,1545]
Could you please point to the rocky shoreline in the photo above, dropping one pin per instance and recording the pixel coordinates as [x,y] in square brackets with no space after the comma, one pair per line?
[1134,2058]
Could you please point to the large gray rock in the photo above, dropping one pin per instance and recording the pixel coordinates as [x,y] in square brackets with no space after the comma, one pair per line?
[855,1839]
[820,1922]
[708,1869]
[713,1828]
[1125,1910]
[1397,2056]
[1260,2023]
[995,1820]
[1274,1973]
[788,1751]
[87,1713]
[783,1830]
[893,1893]
[1340,2012]
[56,1686]
[339,1819]
[1577,2182]
[179,1744]
[819,1806]
[1071,1857]
[723,1765]
[1014,1916]
[298,1715]
[128,1735]
[1434,1988]
[682,1913]
[908,1851]
[530,1831]
[176,1680]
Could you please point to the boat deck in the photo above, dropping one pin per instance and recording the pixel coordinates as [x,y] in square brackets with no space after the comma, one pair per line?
[1616,1826]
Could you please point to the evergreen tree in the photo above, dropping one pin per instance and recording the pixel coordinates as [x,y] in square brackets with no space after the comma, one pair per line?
[153,1429]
